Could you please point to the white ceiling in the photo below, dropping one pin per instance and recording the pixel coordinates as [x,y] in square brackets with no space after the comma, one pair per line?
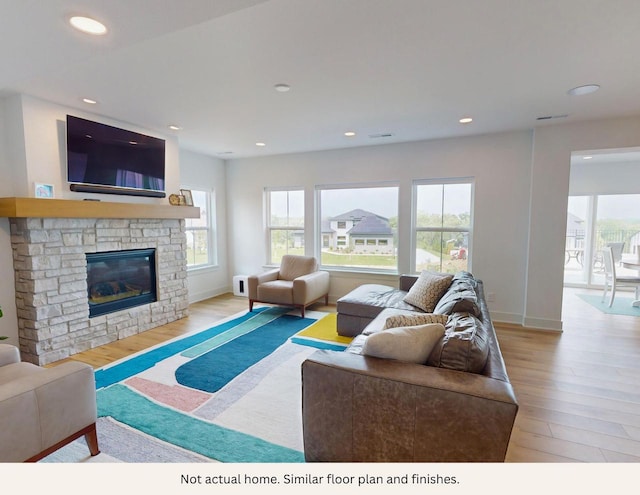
[410,68]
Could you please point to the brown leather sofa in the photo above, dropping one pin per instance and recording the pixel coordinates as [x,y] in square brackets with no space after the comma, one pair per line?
[359,408]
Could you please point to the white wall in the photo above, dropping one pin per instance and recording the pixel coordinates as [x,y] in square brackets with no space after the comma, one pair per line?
[203,172]
[501,167]
[609,178]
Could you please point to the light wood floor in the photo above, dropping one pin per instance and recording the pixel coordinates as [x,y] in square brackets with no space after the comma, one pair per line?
[578,391]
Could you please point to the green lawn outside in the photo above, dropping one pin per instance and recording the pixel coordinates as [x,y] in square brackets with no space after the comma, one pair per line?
[363,260]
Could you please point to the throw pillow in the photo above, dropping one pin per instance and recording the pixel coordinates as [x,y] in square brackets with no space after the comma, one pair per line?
[411,344]
[428,290]
[412,320]
[460,298]
[464,346]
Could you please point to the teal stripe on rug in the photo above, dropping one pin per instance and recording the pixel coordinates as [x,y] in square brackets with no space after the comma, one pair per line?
[210,440]
[213,370]
[241,329]
[318,344]
[128,368]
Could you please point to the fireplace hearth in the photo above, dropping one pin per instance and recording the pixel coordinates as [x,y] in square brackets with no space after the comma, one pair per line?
[118,280]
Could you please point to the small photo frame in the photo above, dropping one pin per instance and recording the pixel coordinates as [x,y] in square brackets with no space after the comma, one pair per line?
[188,198]
[43,190]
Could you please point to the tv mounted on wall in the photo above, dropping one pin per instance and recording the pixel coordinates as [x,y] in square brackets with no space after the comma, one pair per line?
[105,159]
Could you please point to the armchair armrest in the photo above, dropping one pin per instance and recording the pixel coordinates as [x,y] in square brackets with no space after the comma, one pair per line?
[310,287]
[9,354]
[254,280]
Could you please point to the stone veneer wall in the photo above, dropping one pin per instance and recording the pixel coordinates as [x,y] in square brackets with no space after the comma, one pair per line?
[51,281]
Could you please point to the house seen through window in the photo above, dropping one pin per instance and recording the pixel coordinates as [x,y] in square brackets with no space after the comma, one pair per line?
[358,227]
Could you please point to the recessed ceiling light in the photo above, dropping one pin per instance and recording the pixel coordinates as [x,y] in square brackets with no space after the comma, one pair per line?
[583,90]
[282,88]
[349,133]
[174,127]
[89,101]
[88,25]
[587,157]
[261,144]
[466,120]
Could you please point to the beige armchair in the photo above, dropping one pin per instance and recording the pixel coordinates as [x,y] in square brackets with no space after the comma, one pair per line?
[43,409]
[297,283]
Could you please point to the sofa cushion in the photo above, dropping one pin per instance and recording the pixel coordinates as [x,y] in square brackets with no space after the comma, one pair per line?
[404,320]
[460,297]
[428,290]
[369,300]
[411,344]
[465,345]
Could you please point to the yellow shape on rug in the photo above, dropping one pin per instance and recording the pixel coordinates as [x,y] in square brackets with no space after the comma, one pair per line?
[325,329]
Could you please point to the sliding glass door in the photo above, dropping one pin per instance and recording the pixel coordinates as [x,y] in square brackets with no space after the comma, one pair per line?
[594,222]
[576,271]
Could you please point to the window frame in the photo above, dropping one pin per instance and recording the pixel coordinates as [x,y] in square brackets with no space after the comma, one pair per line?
[210,229]
[269,228]
[415,230]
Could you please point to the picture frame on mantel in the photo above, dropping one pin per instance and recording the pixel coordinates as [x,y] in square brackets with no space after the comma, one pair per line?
[44,190]
[188,198]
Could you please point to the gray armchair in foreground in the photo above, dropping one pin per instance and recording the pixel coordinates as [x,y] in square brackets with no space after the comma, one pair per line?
[43,409]
[297,283]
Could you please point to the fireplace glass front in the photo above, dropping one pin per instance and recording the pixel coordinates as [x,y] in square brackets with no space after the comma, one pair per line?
[117,280]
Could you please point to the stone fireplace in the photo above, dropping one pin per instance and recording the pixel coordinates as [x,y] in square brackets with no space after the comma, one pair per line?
[52,292]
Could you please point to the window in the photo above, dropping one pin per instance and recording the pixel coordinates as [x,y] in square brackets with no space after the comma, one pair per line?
[200,231]
[359,227]
[443,225]
[285,223]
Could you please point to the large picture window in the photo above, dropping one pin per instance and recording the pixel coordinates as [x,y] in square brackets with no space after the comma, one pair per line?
[200,231]
[443,225]
[285,223]
[358,227]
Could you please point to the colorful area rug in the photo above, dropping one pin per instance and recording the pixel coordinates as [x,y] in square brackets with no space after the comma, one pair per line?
[621,305]
[231,393]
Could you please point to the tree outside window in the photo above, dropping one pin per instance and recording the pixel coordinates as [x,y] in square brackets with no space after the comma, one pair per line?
[443,225]
[285,223]
[199,231]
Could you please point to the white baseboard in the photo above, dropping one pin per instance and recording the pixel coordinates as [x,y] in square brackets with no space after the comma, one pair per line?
[206,294]
[529,323]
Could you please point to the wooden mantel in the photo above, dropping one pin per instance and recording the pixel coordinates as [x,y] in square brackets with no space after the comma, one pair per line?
[70,208]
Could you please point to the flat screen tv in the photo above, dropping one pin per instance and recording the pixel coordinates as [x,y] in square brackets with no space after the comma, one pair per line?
[105,159]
